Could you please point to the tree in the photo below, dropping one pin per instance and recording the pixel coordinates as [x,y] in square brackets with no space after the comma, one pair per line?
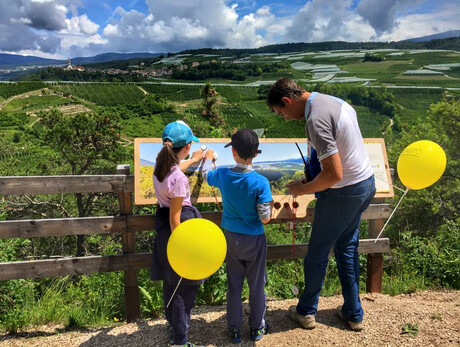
[426,227]
[210,98]
[88,144]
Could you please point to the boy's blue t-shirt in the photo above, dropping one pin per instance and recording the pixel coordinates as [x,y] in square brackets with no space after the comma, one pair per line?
[241,192]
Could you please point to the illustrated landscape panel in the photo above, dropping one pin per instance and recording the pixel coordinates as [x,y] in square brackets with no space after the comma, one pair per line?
[280,162]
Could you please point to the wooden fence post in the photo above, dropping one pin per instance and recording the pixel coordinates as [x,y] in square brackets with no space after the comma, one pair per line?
[132,302]
[375,260]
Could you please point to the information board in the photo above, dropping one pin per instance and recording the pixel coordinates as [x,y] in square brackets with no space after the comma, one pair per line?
[280,161]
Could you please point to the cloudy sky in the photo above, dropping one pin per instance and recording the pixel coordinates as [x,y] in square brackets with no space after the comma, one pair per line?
[71,28]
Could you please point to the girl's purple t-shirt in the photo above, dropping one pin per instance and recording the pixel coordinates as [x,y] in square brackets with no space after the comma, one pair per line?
[174,185]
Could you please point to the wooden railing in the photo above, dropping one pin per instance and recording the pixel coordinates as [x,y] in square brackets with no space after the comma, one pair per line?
[127,224]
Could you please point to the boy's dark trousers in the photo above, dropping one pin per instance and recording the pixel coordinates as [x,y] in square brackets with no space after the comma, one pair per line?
[179,310]
[246,257]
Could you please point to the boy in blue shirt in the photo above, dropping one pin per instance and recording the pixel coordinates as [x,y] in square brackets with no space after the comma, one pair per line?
[247,203]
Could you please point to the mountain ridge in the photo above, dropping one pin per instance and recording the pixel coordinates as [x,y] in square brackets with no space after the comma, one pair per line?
[9,60]
[16,59]
[443,35]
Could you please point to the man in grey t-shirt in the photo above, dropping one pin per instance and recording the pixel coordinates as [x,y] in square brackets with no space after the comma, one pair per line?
[344,188]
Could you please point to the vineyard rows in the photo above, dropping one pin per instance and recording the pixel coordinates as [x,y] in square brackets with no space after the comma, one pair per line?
[102,94]
[174,92]
[7,90]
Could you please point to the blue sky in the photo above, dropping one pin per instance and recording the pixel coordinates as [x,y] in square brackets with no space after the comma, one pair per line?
[270,151]
[71,28]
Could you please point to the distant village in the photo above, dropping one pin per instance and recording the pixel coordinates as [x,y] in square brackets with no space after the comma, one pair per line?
[163,71]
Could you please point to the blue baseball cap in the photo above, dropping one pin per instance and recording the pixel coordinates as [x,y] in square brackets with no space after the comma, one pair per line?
[179,134]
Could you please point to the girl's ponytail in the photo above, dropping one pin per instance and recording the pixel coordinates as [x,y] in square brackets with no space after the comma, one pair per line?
[166,158]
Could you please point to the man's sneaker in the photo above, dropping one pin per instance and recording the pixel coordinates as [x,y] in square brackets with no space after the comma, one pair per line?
[355,326]
[257,334]
[189,344]
[235,335]
[308,321]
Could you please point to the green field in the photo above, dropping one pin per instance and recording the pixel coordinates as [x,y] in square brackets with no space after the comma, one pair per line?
[244,106]
[415,103]
[370,123]
[8,90]
[102,94]
[180,92]
[36,103]
[384,71]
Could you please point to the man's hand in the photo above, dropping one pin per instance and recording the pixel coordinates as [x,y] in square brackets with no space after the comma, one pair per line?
[296,187]
[209,154]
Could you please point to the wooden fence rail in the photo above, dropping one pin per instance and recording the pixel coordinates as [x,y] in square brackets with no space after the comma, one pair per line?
[127,224]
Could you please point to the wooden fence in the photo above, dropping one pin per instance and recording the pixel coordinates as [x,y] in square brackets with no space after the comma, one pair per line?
[128,223]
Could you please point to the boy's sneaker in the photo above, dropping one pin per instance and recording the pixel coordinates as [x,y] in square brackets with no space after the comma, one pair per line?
[257,334]
[308,321]
[189,344]
[355,326]
[235,335]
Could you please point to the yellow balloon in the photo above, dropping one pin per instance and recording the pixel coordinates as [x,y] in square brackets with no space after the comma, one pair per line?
[196,249]
[421,164]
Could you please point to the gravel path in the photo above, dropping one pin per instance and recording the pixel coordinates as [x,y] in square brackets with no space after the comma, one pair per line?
[436,313]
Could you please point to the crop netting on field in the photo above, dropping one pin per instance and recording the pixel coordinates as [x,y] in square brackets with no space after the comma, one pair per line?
[102,94]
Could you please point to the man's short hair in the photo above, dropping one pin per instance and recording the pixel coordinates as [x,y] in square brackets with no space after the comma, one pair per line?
[281,88]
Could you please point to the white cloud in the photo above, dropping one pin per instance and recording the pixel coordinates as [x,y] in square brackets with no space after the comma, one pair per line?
[320,20]
[111,30]
[44,15]
[56,26]
[79,34]
[177,25]
[383,15]
[423,24]
[28,25]
[86,26]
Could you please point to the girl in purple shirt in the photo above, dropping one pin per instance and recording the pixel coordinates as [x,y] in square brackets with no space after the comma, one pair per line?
[173,193]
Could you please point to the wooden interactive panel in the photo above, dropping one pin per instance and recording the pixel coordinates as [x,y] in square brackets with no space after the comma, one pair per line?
[280,161]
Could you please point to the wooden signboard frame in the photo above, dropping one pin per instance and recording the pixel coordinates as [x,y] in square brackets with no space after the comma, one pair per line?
[279,157]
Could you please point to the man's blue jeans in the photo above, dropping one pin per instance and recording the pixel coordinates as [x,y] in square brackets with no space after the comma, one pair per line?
[336,223]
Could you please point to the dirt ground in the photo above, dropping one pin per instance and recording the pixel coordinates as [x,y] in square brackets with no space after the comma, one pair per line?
[436,315]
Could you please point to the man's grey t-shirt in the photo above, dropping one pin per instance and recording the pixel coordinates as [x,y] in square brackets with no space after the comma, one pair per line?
[332,127]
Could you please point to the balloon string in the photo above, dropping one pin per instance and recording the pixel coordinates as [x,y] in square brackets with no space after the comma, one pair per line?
[391,215]
[172,296]
[390,184]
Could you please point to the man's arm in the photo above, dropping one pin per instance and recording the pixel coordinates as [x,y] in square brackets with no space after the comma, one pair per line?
[330,174]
